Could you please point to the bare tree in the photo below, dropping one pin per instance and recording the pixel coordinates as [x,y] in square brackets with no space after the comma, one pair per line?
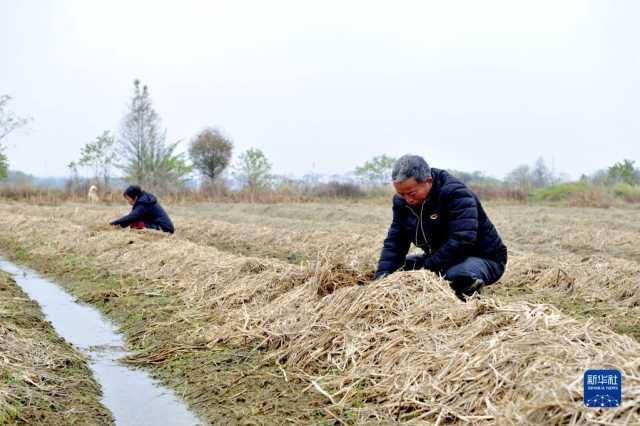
[8,120]
[74,181]
[148,160]
[8,123]
[520,177]
[541,175]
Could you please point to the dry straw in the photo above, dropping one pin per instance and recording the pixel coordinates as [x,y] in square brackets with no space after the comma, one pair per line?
[402,349]
[43,380]
[407,349]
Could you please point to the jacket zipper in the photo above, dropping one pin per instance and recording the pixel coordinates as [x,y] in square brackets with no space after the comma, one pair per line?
[419,224]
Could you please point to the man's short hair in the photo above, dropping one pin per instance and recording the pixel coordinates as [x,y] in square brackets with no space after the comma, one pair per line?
[410,166]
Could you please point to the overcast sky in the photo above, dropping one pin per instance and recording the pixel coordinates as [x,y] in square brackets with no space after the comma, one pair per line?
[470,85]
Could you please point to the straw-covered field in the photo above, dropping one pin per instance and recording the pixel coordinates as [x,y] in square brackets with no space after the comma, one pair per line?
[264,314]
[43,380]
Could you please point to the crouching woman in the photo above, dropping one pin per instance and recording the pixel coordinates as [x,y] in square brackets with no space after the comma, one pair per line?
[146,212]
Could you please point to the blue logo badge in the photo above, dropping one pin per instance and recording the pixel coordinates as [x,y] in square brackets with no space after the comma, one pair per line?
[602,388]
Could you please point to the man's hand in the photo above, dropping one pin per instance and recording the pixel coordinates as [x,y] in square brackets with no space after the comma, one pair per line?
[381,276]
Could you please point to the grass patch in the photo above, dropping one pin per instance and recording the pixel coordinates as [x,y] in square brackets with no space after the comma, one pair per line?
[628,193]
[574,194]
[224,384]
[43,379]
[560,192]
[379,348]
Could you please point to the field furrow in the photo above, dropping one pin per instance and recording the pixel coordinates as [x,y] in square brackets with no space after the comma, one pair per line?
[43,379]
[224,313]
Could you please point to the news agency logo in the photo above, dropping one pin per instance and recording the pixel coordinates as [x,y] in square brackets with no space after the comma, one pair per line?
[602,388]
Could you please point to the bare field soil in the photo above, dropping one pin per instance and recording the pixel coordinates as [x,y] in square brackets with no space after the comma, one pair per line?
[266,314]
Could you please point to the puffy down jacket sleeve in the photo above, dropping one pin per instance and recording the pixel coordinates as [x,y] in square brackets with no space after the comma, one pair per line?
[137,213]
[395,247]
[462,229]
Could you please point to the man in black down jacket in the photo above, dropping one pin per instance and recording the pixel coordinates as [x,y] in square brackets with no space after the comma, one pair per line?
[146,212]
[440,215]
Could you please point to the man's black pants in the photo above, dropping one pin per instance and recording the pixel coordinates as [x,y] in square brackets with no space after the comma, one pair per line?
[464,277]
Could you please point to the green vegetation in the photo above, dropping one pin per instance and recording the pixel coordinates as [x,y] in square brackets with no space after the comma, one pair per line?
[225,384]
[624,172]
[626,192]
[253,170]
[377,171]
[100,156]
[43,379]
[146,157]
[210,152]
[583,194]
[560,192]
[202,335]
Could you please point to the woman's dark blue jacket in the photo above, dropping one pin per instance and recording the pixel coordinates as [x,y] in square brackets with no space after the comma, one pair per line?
[147,209]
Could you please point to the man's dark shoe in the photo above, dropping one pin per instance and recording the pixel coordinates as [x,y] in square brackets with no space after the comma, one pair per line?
[475,287]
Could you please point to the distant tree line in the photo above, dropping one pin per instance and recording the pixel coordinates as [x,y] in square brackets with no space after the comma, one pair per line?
[624,172]
[139,150]
[142,154]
